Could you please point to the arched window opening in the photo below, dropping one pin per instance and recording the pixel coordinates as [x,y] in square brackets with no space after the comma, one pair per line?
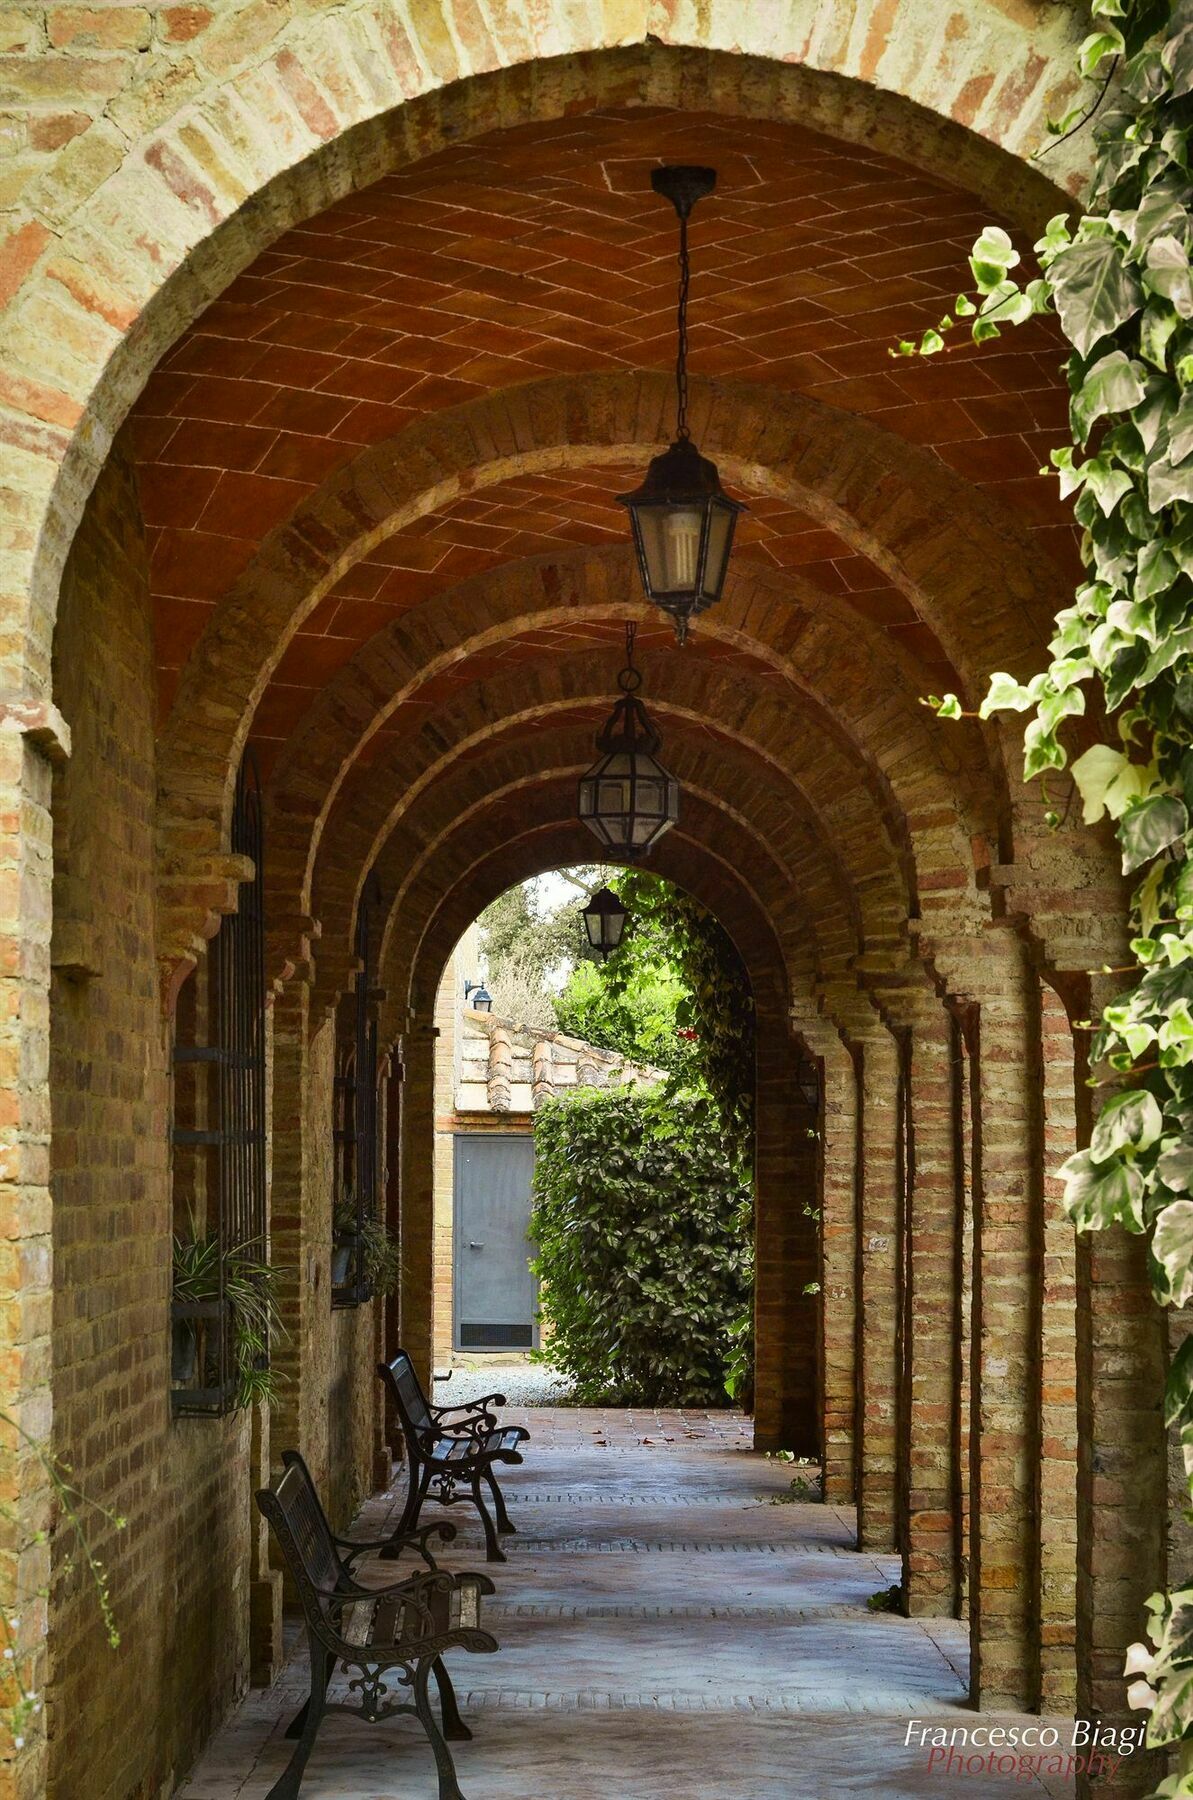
[220,1307]
[356,1118]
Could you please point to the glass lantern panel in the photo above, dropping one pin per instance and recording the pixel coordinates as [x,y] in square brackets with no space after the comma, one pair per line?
[671,546]
[720,531]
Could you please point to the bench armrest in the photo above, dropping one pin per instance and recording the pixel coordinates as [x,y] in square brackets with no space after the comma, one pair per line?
[417,1540]
[481,1405]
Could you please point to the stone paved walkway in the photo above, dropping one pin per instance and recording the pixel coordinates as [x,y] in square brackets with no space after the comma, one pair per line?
[667,1632]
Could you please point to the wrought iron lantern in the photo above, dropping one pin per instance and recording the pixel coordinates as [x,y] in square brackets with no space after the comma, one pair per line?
[604,921]
[627,798]
[478,996]
[683,520]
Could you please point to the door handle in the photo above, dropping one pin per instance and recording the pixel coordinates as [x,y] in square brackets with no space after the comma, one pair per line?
[473,1246]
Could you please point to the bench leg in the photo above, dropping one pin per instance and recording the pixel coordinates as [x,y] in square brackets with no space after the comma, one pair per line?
[420,1481]
[454,1728]
[493,1550]
[449,1787]
[504,1522]
[287,1785]
[295,1727]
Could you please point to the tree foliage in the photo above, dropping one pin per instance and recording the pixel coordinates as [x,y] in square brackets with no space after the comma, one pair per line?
[1119,280]
[675,992]
[645,1268]
[527,947]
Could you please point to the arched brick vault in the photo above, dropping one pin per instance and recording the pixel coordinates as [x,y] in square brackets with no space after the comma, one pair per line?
[806,653]
[442,889]
[779,831]
[484,811]
[224,142]
[543,250]
[971,573]
[799,795]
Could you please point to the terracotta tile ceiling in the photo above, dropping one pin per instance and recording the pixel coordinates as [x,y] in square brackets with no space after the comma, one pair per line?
[540,250]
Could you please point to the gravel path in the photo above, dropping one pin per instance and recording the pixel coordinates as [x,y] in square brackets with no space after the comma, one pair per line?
[522,1383]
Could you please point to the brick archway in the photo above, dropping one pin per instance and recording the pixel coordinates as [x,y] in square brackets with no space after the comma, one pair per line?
[945,548]
[788,1376]
[226,138]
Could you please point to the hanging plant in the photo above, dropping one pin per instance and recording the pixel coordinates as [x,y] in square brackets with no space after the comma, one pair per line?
[250,1300]
[1119,281]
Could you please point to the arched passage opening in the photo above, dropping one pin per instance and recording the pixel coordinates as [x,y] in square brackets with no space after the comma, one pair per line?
[396,359]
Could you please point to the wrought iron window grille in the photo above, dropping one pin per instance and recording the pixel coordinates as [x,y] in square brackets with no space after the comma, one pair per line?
[356,1117]
[220,1154]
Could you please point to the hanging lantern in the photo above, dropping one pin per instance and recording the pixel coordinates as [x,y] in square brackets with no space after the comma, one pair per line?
[604,921]
[478,996]
[627,799]
[683,520]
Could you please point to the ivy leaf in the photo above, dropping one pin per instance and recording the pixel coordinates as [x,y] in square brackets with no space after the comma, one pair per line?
[1149,826]
[1178,1390]
[992,256]
[1158,324]
[1098,45]
[1172,1247]
[1131,1121]
[1113,385]
[1167,273]
[1177,57]
[1007,695]
[1172,1714]
[1107,780]
[1175,1169]
[1098,1197]
[1095,291]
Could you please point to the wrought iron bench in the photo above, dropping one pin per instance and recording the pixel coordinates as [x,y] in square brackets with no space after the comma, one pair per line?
[450,1447]
[399,1632]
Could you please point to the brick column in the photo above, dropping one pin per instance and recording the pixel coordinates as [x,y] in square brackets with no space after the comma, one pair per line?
[1004,1435]
[1121,1459]
[417,1177]
[25,1283]
[787,1332]
[876,1289]
[300,1235]
[929,1343]
[1058,1374]
[838,1248]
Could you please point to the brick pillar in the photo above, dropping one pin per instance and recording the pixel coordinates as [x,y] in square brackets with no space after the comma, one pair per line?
[25,1281]
[300,1233]
[1004,1433]
[929,1343]
[876,1289]
[787,1331]
[1058,1375]
[1121,1461]
[417,1165]
[838,1253]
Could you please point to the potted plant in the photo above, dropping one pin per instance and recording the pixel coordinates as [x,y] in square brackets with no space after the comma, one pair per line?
[382,1258]
[345,1239]
[251,1313]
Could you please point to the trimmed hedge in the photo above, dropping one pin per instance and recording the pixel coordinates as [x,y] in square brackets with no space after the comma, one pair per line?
[644,1255]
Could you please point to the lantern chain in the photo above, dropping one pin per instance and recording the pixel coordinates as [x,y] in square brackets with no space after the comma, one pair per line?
[681,355]
[629,680]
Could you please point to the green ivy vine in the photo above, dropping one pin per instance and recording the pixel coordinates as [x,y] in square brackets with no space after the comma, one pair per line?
[1119,280]
[717,1018]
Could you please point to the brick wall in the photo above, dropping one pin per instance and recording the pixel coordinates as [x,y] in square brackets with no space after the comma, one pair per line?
[123,1723]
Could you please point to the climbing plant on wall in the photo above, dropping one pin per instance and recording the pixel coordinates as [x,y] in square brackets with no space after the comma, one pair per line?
[1119,280]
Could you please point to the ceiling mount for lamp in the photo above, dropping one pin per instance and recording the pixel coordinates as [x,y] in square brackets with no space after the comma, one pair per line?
[627,798]
[683,520]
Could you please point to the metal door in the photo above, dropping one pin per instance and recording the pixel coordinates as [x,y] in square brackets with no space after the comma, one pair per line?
[496,1296]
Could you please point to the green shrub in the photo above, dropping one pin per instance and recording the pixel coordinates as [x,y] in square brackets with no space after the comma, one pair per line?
[644,1263]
